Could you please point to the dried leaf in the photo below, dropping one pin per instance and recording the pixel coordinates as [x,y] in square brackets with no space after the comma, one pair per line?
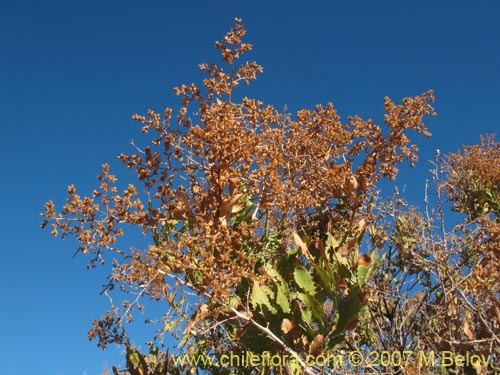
[353,183]
[361,225]
[352,324]
[321,248]
[304,341]
[364,297]
[197,317]
[364,260]
[233,183]
[287,326]
[301,244]
[316,346]
[229,205]
[238,207]
[467,329]
[344,250]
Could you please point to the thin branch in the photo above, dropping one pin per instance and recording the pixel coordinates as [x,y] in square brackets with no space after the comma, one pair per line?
[273,337]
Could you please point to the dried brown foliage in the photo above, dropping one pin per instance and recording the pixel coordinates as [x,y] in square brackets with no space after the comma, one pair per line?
[474,178]
[439,289]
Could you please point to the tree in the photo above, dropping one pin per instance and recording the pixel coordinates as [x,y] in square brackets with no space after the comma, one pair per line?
[268,234]
[438,289]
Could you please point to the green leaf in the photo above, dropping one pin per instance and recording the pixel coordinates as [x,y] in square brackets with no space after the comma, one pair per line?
[362,275]
[170,325]
[304,279]
[287,262]
[306,315]
[323,275]
[365,272]
[314,307]
[275,275]
[349,308]
[234,301]
[134,357]
[282,300]
[153,355]
[328,279]
[282,291]
[198,276]
[260,298]
[183,340]
[334,342]
[136,364]
[343,269]
[331,242]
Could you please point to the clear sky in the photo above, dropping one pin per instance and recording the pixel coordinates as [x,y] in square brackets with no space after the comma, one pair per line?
[73,72]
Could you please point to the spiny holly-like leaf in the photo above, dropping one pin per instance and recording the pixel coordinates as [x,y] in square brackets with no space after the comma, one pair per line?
[282,299]
[260,298]
[282,290]
[304,279]
[306,316]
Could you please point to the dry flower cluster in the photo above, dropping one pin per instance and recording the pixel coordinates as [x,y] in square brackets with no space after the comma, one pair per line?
[267,232]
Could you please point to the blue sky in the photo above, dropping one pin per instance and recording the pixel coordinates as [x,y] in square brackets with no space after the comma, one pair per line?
[73,72]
